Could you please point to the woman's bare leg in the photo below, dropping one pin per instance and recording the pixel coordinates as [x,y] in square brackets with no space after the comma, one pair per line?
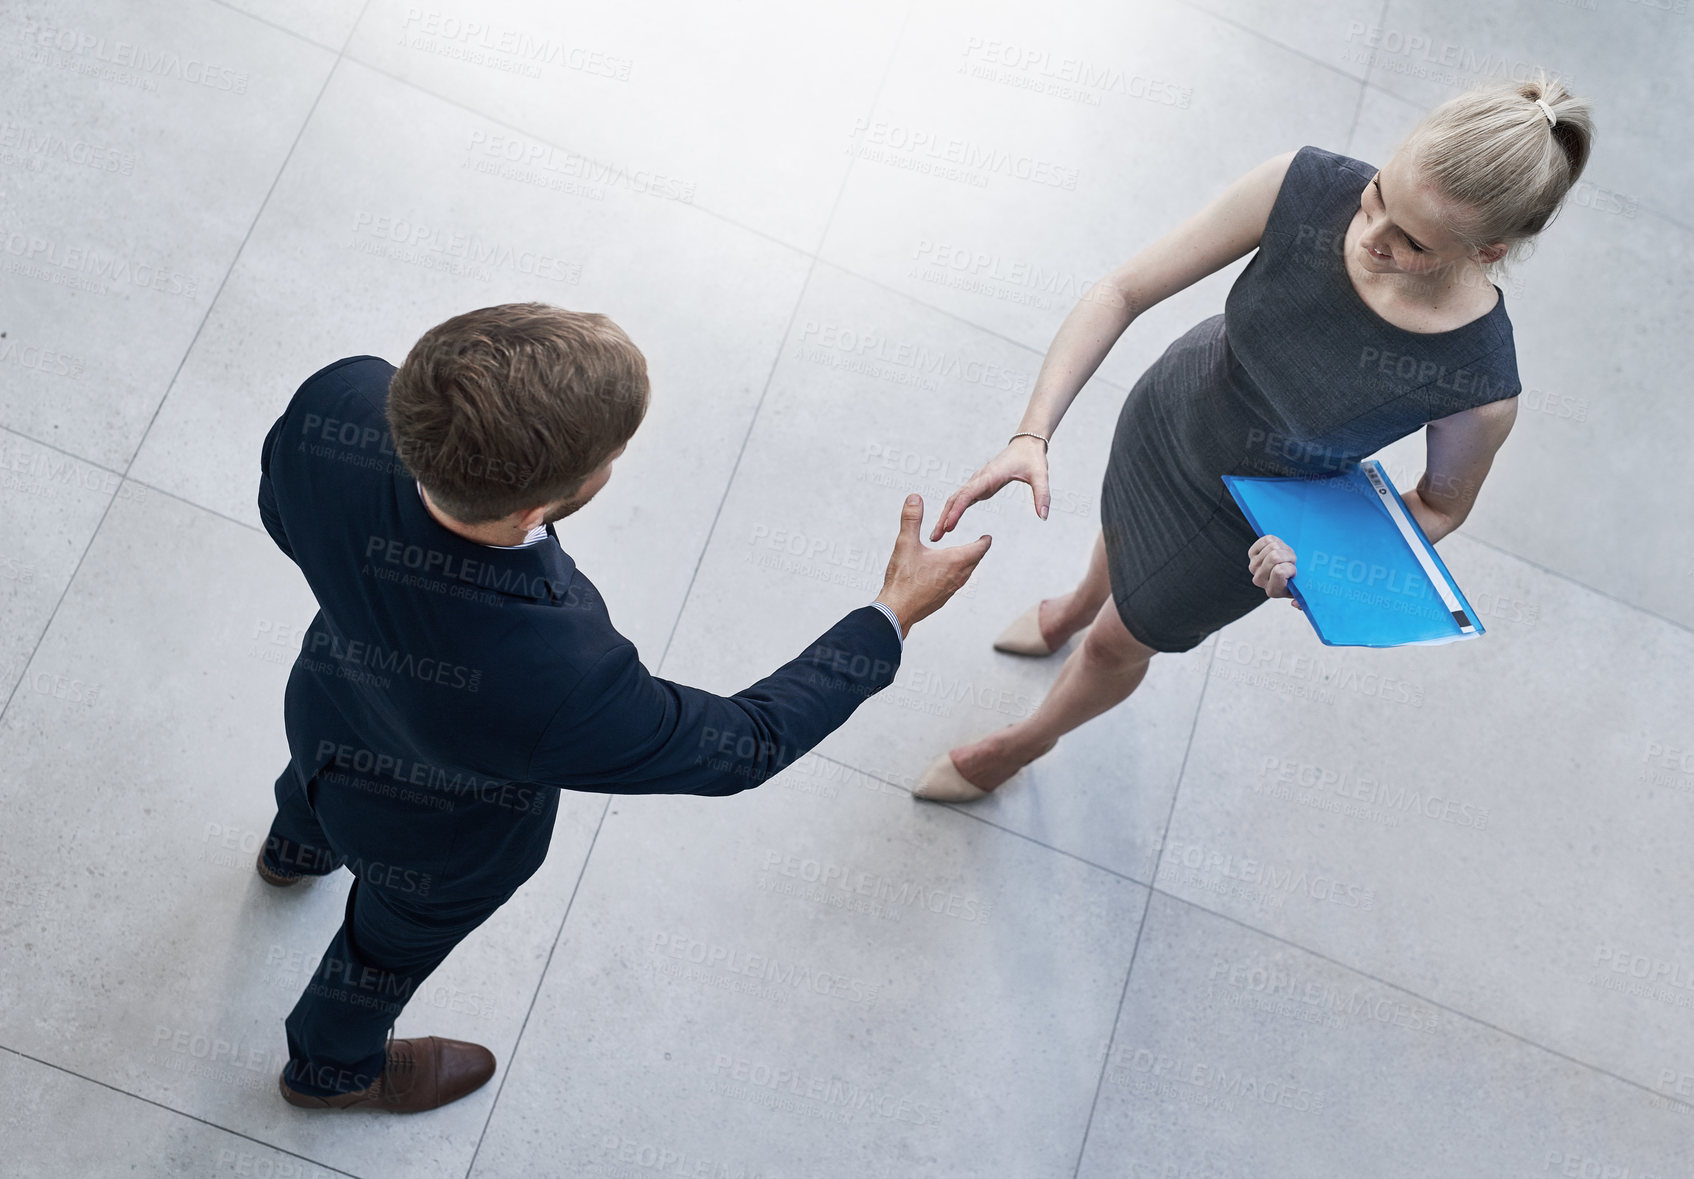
[1063,616]
[1103,671]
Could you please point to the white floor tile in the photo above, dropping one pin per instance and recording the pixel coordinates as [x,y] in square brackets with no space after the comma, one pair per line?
[1492,824]
[742,110]
[1019,154]
[1236,1054]
[1421,911]
[141,950]
[50,503]
[833,984]
[56,1123]
[137,146]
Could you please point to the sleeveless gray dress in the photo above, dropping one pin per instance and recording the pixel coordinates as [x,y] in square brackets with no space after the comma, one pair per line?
[1297,377]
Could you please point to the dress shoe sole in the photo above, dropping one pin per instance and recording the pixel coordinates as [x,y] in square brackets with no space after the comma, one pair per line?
[274,879]
[447,1070]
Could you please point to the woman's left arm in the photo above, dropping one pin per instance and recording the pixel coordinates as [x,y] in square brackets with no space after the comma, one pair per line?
[1461,449]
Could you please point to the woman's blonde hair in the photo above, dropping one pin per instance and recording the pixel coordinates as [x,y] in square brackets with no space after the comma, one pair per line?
[1503,168]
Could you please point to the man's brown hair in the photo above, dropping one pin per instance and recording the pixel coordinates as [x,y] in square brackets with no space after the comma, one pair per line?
[512,407]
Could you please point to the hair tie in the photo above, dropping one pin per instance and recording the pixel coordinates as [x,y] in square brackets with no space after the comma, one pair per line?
[1552,119]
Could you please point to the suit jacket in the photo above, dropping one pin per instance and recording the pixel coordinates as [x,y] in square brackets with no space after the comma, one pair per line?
[446,690]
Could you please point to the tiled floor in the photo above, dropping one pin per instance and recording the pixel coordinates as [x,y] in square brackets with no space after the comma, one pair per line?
[1290,911]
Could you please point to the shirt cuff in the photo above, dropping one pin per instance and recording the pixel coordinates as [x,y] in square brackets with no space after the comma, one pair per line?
[893,621]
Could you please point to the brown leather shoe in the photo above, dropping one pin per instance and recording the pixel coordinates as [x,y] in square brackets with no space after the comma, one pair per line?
[276,878]
[419,1075]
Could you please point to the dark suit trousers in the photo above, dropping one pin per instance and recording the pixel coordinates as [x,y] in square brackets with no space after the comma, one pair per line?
[392,937]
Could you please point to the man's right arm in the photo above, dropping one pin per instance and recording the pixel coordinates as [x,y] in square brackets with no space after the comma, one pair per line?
[268,513]
[312,391]
[623,730]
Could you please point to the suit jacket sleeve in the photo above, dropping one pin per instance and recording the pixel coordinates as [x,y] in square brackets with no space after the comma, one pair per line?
[267,492]
[624,731]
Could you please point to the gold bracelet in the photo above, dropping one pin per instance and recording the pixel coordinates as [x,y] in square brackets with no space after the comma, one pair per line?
[1028,434]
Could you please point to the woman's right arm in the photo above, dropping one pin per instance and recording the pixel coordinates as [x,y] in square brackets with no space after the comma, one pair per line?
[1226,229]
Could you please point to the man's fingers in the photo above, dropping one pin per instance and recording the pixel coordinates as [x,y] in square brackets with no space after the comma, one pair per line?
[911,516]
[967,557]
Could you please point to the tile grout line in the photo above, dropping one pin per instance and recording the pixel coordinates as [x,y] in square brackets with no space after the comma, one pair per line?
[1467,1017]
[123,476]
[1146,908]
[1269,935]
[295,33]
[235,258]
[974,816]
[59,1068]
[1559,575]
[816,258]
[1370,69]
[497,121]
[1282,45]
[782,344]
[729,480]
[1662,214]
[187,351]
[682,608]
[1364,84]
[540,981]
[1185,902]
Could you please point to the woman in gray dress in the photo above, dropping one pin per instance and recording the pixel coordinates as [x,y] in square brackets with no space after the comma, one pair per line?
[1366,313]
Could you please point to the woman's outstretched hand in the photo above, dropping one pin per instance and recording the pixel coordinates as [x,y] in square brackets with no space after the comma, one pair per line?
[1024,459]
[1272,565]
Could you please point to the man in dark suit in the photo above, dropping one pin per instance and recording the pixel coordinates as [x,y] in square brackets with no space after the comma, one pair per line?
[461,670]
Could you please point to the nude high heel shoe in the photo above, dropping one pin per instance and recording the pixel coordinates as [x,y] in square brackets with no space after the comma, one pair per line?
[1023,637]
[942,782]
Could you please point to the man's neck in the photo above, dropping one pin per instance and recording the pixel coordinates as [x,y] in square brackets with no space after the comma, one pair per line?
[498,533]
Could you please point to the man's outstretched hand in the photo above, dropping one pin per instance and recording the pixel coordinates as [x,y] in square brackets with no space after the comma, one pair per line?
[920,580]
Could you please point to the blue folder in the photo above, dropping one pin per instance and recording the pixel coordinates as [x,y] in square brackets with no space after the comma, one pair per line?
[1365,573]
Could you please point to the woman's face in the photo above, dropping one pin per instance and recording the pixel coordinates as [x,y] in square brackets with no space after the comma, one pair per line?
[1404,231]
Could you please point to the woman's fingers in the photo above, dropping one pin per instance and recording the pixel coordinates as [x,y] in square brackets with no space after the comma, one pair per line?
[978,487]
[962,498]
[990,479]
[941,524]
[1272,564]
